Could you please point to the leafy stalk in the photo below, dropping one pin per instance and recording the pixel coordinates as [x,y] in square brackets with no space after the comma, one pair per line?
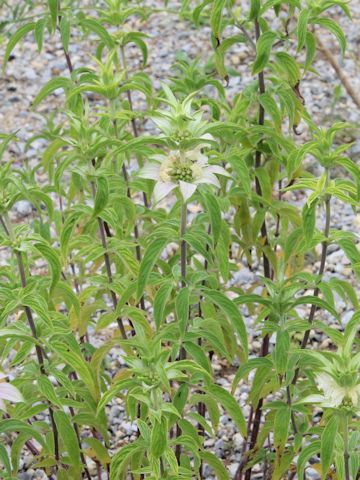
[40,353]
[104,244]
[183,269]
[324,248]
[346,447]
[255,425]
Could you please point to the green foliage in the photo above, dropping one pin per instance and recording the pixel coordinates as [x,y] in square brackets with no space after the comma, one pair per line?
[121,289]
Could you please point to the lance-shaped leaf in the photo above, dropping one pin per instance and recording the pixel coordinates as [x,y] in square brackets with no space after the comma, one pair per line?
[150,256]
[230,405]
[182,308]
[15,39]
[216,464]
[50,254]
[159,437]
[327,444]
[232,312]
[53,7]
[214,212]
[102,195]
[215,18]
[263,50]
[50,87]
[68,436]
[96,27]
[310,450]
[334,28]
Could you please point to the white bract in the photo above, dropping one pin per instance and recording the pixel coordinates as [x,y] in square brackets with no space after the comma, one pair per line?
[339,382]
[183,169]
[337,394]
[8,392]
[186,165]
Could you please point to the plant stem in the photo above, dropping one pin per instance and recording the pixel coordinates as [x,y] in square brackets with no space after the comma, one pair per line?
[346,448]
[136,228]
[201,406]
[109,275]
[324,247]
[292,416]
[340,72]
[131,106]
[38,349]
[183,267]
[267,273]
[183,245]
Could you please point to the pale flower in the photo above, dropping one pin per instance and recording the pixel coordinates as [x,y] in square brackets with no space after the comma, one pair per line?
[8,392]
[336,394]
[183,169]
[339,383]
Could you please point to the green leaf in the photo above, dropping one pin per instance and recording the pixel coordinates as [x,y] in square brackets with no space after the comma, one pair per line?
[101,196]
[270,107]
[151,255]
[122,458]
[281,428]
[53,7]
[309,451]
[302,28]
[287,63]
[95,27]
[100,450]
[246,368]
[254,9]
[68,436]
[73,359]
[5,460]
[39,33]
[160,302]
[232,312]
[263,50]
[310,50]
[50,87]
[67,233]
[52,257]
[197,352]
[15,39]
[214,212]
[215,18]
[221,51]
[311,299]
[230,405]
[281,352]
[334,28]
[48,390]
[182,309]
[12,425]
[327,444]
[216,464]
[65,33]
[158,439]
[309,221]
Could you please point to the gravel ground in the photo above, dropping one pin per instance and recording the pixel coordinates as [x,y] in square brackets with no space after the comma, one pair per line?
[28,71]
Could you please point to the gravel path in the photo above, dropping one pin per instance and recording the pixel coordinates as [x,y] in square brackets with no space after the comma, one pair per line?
[28,71]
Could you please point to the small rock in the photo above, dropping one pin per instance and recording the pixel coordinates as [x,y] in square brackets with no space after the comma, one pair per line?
[237,441]
[233,467]
[346,317]
[23,208]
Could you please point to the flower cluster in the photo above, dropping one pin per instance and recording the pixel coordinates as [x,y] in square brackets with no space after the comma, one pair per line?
[183,169]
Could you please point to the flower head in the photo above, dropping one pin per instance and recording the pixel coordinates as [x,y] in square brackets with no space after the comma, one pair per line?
[339,382]
[339,391]
[8,392]
[183,169]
